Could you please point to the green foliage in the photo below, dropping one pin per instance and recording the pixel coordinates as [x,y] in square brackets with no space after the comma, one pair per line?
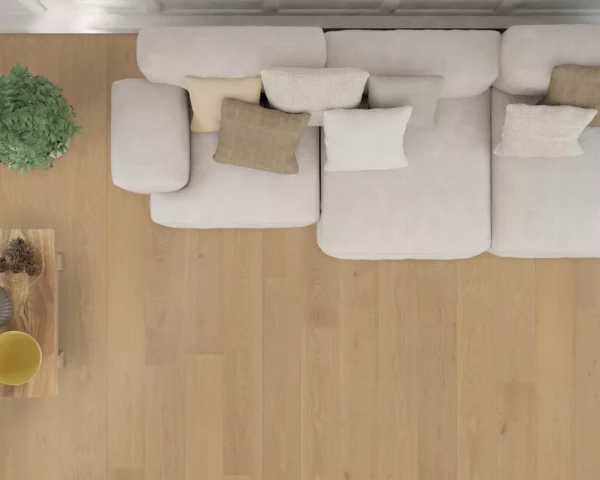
[36,122]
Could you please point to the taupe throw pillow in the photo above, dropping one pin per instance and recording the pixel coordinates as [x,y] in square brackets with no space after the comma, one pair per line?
[577,86]
[419,92]
[256,137]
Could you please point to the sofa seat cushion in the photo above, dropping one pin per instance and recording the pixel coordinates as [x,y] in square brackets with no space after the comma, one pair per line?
[545,207]
[228,196]
[437,207]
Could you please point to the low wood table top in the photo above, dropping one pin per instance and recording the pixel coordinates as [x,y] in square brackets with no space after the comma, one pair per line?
[35,311]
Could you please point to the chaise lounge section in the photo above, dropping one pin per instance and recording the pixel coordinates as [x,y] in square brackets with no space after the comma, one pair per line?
[438,207]
[544,207]
[154,151]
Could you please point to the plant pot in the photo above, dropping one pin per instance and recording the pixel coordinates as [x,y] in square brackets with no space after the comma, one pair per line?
[58,155]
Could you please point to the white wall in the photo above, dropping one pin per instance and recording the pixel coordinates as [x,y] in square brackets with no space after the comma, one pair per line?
[130,15]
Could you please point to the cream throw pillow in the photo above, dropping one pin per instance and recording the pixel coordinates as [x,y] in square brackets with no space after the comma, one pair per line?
[543,131]
[358,140]
[207,94]
[313,90]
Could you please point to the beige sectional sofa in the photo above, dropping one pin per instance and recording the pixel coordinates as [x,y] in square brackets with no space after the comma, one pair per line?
[454,200]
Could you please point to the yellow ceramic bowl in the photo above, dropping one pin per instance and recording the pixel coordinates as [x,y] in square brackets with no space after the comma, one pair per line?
[20,358]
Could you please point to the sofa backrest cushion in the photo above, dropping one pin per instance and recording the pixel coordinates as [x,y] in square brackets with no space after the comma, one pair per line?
[528,54]
[168,55]
[468,60]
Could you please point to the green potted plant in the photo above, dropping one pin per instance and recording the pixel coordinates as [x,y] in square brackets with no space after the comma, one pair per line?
[37,124]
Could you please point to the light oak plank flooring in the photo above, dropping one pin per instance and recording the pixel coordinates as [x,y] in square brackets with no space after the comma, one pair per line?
[250,355]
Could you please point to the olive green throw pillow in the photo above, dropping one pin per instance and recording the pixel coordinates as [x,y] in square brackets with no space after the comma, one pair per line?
[575,85]
[256,137]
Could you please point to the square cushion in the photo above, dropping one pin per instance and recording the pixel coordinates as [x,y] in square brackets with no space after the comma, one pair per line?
[365,139]
[438,207]
[256,137]
[575,85]
[207,95]
[313,90]
[545,207]
[543,131]
[419,92]
[226,196]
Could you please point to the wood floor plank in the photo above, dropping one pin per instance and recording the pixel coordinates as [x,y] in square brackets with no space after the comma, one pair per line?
[555,369]
[126,474]
[202,327]
[359,366]
[203,416]
[165,302]
[516,450]
[242,349]
[512,314]
[477,403]
[281,380]
[164,421]
[513,322]
[321,402]
[436,368]
[284,297]
[396,419]
[587,369]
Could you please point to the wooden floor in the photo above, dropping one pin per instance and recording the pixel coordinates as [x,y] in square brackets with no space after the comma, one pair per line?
[249,354]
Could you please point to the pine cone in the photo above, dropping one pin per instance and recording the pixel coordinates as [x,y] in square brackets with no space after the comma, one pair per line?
[16,268]
[10,256]
[33,269]
[23,252]
[3,265]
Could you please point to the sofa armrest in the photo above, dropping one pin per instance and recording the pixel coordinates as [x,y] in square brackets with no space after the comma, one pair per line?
[150,136]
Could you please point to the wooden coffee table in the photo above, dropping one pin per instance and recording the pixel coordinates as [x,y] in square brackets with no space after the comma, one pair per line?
[35,311]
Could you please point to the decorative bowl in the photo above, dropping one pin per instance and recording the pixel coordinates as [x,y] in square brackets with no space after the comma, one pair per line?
[20,358]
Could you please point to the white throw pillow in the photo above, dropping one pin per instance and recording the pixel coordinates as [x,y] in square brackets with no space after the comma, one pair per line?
[543,131]
[313,90]
[365,139]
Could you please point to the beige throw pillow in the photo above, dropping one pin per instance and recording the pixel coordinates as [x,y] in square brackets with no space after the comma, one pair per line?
[419,92]
[543,131]
[577,86]
[256,137]
[207,94]
[313,90]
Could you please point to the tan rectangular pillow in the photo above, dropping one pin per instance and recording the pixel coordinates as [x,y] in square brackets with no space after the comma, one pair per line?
[420,92]
[577,86]
[207,94]
[256,137]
